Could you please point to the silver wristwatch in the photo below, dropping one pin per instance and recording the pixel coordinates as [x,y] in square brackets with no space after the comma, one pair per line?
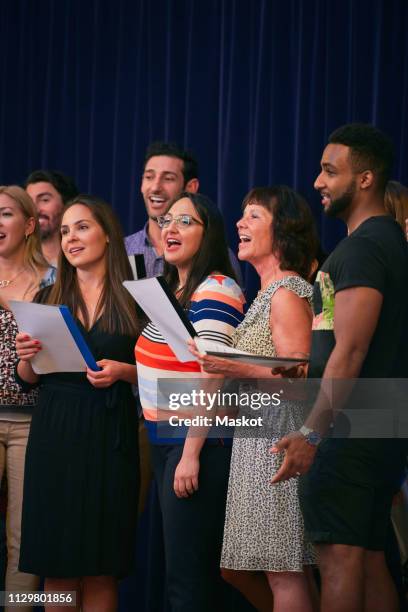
[312,437]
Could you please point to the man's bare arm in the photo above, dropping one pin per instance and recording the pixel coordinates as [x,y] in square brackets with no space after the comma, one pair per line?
[356,314]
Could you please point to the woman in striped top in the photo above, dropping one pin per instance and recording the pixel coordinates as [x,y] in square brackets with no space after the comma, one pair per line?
[191,473]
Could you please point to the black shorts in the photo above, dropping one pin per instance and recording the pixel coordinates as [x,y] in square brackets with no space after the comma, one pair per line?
[346,496]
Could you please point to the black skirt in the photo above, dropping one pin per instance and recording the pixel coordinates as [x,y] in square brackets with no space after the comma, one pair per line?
[81,482]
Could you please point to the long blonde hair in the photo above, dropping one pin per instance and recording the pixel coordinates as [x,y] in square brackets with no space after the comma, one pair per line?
[33,256]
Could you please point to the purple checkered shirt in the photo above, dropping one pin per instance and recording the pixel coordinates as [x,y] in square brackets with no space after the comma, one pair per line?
[139,244]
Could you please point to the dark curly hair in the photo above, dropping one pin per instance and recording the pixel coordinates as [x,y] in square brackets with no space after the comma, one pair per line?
[294,235]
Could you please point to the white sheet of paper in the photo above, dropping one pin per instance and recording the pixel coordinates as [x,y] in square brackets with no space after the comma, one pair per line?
[59,352]
[215,348]
[133,266]
[152,298]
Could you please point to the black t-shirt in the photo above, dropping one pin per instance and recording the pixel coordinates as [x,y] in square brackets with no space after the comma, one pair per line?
[375,255]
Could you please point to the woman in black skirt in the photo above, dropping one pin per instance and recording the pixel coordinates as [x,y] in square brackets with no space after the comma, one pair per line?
[82,471]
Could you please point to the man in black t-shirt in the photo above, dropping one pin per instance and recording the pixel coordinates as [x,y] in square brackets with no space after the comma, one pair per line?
[360,308]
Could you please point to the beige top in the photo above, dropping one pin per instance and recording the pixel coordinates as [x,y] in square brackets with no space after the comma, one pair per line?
[254,334]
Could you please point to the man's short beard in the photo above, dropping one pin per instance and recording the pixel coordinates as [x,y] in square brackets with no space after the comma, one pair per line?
[336,207]
[46,233]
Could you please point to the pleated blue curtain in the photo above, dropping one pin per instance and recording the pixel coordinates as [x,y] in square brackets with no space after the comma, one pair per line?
[253,87]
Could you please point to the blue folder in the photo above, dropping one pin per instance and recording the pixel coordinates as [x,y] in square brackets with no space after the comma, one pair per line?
[78,338]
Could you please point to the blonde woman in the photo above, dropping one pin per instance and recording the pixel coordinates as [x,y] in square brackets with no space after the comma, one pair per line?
[23,270]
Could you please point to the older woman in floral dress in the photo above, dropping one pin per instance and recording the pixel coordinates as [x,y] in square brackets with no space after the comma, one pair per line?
[264,550]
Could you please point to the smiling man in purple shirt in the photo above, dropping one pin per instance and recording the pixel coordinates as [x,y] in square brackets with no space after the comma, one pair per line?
[168,171]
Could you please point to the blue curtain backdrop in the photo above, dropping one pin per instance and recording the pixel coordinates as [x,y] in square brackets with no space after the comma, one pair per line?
[253,87]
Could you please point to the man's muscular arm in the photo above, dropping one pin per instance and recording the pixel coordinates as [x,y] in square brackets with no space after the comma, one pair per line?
[356,314]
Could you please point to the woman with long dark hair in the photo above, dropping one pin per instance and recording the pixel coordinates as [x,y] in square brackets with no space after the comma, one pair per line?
[191,473]
[81,481]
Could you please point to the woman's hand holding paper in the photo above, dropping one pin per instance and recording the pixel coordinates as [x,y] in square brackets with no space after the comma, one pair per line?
[217,365]
[229,368]
[111,372]
[27,347]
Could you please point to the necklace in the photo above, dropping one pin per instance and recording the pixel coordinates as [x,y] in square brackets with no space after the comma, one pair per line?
[5,283]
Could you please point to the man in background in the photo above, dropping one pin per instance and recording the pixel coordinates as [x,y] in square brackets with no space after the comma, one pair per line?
[50,190]
[168,170]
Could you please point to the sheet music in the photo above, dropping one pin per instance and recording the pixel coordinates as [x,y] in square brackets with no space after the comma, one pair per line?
[60,352]
[162,308]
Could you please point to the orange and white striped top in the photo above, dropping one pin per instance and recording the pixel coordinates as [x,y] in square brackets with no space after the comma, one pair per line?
[216,308]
